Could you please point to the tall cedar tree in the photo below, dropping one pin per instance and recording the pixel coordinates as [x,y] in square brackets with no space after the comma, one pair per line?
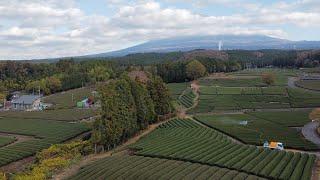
[118,112]
[144,104]
[128,106]
[160,96]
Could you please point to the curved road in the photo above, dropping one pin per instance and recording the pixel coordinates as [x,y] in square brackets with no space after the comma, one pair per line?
[309,131]
[291,84]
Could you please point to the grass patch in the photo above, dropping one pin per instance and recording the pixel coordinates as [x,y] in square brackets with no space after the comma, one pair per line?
[68,99]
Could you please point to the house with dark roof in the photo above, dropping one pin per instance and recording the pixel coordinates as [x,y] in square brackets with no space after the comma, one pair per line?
[26,102]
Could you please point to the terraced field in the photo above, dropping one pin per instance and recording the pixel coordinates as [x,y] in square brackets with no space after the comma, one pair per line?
[187,98]
[256,130]
[57,114]
[176,89]
[197,144]
[232,82]
[45,133]
[302,98]
[139,167]
[4,140]
[237,98]
[285,118]
[309,84]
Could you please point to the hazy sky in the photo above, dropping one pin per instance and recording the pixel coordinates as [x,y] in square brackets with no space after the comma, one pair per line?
[55,28]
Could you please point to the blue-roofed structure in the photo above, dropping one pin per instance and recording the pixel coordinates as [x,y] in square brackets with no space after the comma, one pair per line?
[26,102]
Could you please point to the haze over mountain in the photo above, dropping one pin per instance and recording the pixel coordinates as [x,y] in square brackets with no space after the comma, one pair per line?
[244,42]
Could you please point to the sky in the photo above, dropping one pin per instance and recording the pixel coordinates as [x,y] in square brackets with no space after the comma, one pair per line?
[34,29]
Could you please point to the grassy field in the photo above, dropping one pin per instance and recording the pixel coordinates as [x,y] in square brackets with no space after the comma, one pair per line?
[5,140]
[258,130]
[197,144]
[68,99]
[58,114]
[45,133]
[139,167]
[309,84]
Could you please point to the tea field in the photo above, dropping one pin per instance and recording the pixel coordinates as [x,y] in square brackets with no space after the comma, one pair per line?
[176,89]
[5,140]
[256,129]
[237,98]
[309,84]
[198,144]
[187,98]
[139,167]
[43,133]
[55,114]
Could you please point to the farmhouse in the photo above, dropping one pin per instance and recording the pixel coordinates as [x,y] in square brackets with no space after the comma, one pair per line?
[26,102]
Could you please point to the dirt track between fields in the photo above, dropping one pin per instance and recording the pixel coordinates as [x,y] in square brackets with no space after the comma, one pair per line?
[73,169]
[19,138]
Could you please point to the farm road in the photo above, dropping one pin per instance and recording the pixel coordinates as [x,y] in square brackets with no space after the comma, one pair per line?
[309,131]
[291,84]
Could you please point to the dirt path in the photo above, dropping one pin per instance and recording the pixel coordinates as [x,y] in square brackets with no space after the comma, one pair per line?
[94,157]
[196,90]
[182,111]
[19,138]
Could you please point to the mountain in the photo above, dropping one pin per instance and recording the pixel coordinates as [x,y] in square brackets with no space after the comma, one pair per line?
[244,42]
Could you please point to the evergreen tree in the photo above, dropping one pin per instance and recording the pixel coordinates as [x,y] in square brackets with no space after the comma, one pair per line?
[160,96]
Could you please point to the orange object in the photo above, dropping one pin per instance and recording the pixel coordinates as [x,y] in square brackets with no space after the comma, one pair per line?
[273,144]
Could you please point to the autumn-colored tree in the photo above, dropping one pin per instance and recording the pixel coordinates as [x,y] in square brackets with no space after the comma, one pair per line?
[315,114]
[268,78]
[195,70]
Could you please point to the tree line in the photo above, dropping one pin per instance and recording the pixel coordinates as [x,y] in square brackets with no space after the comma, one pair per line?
[181,71]
[54,77]
[128,106]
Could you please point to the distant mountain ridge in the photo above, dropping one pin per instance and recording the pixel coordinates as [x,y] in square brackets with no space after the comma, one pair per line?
[228,42]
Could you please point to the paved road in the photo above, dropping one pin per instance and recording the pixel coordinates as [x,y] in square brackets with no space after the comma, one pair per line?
[291,84]
[309,131]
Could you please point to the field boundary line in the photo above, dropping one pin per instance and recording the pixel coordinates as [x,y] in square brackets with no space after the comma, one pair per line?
[73,169]
[232,138]
[199,162]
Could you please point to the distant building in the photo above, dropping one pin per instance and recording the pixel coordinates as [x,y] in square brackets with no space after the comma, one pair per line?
[26,102]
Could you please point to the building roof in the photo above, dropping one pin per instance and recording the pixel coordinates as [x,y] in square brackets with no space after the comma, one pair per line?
[26,99]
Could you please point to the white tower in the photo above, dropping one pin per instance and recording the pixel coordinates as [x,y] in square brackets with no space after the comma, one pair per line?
[220,45]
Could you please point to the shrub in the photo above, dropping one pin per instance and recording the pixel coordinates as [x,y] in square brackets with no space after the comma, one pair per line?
[56,157]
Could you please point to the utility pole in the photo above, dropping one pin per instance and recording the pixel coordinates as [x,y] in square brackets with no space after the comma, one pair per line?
[39,91]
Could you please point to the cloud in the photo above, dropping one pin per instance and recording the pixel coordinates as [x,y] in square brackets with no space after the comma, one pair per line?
[41,29]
